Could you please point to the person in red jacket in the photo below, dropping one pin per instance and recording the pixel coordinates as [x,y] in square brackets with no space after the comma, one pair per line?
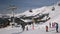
[46,28]
[33,27]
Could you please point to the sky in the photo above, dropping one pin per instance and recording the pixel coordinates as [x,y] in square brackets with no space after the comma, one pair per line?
[23,5]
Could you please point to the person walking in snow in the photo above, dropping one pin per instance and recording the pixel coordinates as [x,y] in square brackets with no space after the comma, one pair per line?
[46,28]
[56,27]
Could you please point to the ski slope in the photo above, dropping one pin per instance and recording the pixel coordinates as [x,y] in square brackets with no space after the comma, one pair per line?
[55,15]
[15,30]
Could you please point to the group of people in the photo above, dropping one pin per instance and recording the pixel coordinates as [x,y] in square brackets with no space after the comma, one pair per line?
[23,27]
[53,25]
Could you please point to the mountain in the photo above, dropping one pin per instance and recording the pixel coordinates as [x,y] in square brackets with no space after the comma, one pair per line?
[41,10]
[53,10]
[34,12]
[53,14]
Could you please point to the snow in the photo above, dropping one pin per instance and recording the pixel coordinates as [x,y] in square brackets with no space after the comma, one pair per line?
[8,30]
[34,11]
[27,20]
[15,30]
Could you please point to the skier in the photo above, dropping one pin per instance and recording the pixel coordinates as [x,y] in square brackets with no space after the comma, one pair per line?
[53,25]
[50,25]
[27,28]
[33,27]
[46,28]
[23,27]
[56,27]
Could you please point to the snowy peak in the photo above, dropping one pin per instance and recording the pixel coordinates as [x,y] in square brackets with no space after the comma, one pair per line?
[34,11]
[42,10]
[54,12]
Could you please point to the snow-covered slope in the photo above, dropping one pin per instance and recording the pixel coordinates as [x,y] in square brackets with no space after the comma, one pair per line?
[34,11]
[54,15]
[41,10]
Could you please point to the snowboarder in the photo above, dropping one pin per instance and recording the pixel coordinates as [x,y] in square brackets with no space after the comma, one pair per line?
[46,28]
[56,27]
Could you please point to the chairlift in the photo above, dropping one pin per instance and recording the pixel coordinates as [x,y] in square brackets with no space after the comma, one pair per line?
[53,8]
[30,11]
[59,4]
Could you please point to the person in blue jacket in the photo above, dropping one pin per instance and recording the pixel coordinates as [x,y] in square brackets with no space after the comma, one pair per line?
[56,27]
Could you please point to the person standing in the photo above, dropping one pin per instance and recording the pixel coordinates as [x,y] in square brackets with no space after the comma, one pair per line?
[32,26]
[27,27]
[23,27]
[53,24]
[46,28]
[50,25]
[56,27]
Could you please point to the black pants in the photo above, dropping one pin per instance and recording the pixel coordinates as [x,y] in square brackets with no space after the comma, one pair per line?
[23,28]
[56,30]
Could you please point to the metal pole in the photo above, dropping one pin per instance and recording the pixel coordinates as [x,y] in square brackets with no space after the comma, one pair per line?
[12,7]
